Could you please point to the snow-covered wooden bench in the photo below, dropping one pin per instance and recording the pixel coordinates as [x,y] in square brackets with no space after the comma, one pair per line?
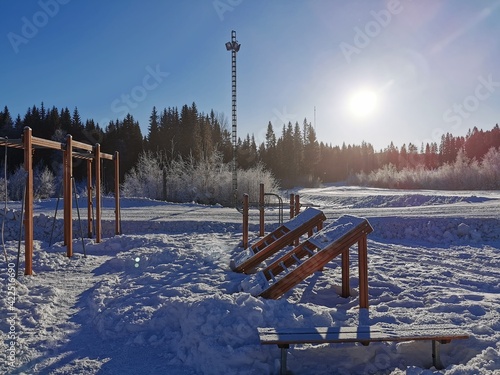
[284,337]
[289,232]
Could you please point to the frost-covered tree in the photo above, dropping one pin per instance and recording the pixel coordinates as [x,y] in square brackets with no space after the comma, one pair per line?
[207,181]
[44,183]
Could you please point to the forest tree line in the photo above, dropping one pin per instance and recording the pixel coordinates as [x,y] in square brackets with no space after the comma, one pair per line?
[291,152]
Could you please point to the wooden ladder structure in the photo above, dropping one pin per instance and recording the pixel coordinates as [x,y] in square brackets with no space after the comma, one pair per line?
[286,234]
[314,253]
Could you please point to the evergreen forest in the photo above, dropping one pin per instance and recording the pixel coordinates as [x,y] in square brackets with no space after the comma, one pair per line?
[291,152]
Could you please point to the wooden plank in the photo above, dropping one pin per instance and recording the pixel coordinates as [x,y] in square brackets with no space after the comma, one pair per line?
[365,334]
[287,259]
[13,143]
[284,235]
[83,155]
[118,225]
[97,159]
[82,146]
[346,289]
[245,221]
[310,214]
[269,239]
[328,252]
[285,337]
[297,259]
[89,200]
[47,143]
[106,156]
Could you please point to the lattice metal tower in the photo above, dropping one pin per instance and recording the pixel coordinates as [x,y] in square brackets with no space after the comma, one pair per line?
[234,47]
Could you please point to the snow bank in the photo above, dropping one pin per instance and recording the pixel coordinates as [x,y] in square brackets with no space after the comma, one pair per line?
[435,230]
[164,300]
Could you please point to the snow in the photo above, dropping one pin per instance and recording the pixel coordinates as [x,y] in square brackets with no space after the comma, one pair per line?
[162,299]
[302,218]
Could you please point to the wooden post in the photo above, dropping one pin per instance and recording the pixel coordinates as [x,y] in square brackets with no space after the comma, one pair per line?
[363,272]
[292,206]
[245,221]
[261,210]
[346,289]
[118,228]
[64,192]
[89,199]
[68,196]
[97,159]
[28,213]
[297,211]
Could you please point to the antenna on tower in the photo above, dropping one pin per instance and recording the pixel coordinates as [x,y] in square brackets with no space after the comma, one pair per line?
[314,117]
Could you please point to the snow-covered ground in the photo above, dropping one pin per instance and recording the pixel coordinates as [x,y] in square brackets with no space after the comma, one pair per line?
[161,298]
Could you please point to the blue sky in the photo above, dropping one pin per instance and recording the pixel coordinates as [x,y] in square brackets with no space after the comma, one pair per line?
[431,66]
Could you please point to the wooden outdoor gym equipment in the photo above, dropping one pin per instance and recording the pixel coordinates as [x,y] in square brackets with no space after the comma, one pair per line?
[294,211]
[71,149]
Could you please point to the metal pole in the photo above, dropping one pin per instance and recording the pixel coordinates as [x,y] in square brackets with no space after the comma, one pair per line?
[234,47]
[234,116]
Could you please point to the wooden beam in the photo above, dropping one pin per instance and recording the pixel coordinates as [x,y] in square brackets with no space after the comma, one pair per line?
[326,252]
[13,143]
[97,158]
[297,211]
[245,221]
[83,155]
[28,213]
[106,156]
[68,196]
[346,289]
[47,143]
[261,210]
[278,239]
[89,199]
[118,228]
[83,146]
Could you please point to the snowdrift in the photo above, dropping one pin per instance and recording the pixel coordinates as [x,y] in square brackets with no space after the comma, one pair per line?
[160,301]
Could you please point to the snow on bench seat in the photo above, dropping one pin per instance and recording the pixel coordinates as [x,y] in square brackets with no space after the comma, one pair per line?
[284,337]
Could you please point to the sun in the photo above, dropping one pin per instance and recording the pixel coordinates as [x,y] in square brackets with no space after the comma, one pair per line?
[362,103]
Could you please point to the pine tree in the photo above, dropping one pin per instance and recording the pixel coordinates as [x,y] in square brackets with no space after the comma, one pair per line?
[311,150]
[153,137]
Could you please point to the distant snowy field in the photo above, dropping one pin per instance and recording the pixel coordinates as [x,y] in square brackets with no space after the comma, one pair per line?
[161,298]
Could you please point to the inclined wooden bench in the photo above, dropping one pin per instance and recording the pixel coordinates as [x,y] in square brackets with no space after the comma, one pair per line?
[285,337]
[303,223]
[312,255]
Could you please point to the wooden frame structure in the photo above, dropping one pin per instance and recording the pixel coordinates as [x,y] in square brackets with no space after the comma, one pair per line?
[283,236]
[71,149]
[294,210]
[313,254]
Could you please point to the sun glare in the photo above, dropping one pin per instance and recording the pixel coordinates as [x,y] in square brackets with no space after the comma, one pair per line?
[363,103]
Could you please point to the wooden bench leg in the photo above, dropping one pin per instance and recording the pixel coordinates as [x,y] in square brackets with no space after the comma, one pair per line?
[284,351]
[436,357]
